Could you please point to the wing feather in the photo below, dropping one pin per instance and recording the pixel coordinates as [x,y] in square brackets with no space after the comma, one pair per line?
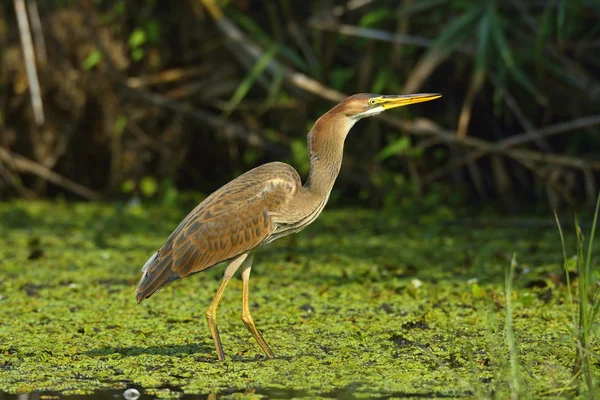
[230,222]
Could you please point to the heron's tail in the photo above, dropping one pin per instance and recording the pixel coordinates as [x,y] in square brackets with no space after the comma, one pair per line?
[156,273]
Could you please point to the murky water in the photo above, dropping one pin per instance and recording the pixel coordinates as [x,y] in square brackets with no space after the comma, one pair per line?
[262,393]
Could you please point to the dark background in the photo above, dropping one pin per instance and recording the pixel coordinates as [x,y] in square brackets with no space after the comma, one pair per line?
[158,100]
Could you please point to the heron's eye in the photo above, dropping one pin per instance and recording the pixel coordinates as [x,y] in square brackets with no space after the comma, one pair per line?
[372,102]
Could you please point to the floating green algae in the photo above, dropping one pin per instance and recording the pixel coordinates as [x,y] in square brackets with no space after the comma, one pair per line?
[360,302]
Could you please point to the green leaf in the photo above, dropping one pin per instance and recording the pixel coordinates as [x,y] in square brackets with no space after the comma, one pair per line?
[270,135]
[137,38]
[340,77]
[274,90]
[561,15]
[128,186]
[374,18]
[396,147]
[477,291]
[153,30]
[483,44]
[119,7]
[170,194]
[500,41]
[120,124]
[137,54]
[170,197]
[299,158]
[92,60]
[250,156]
[148,186]
[543,33]
[381,80]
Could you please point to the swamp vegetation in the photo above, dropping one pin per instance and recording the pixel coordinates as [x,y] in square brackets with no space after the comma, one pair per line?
[192,93]
[362,303]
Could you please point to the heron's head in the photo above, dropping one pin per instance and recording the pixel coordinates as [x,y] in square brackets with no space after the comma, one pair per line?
[329,132]
[364,105]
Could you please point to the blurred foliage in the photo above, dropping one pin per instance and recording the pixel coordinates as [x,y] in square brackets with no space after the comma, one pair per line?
[143,88]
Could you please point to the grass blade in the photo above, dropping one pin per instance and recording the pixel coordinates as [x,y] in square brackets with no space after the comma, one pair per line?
[454,35]
[585,315]
[506,55]
[510,337]
[248,81]
[588,261]
[566,267]
[456,31]
[481,58]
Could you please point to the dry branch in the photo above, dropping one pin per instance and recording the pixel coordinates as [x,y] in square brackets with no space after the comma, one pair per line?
[374,34]
[28,54]
[167,76]
[38,33]
[26,165]
[562,127]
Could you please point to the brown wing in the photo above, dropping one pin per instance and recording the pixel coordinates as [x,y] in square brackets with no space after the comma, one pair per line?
[230,222]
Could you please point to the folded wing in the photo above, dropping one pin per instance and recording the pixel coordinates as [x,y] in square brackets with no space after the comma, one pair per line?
[230,222]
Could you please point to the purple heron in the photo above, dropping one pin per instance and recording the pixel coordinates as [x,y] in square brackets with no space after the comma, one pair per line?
[258,207]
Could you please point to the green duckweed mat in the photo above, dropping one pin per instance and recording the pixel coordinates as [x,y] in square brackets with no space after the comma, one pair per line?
[362,303]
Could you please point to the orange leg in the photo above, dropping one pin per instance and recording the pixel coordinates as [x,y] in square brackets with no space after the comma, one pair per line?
[246,317]
[211,312]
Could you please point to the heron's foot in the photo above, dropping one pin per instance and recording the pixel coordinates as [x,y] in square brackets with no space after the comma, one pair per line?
[211,318]
[249,322]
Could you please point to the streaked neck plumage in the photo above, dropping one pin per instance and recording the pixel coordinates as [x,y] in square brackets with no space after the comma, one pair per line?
[325,150]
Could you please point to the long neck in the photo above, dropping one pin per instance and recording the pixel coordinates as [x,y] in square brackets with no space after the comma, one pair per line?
[325,149]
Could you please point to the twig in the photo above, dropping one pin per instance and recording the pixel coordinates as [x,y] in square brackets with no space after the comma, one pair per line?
[454,164]
[148,140]
[516,109]
[477,80]
[591,189]
[376,34]
[350,5]
[167,76]
[555,159]
[10,178]
[28,54]
[200,115]
[562,127]
[24,164]
[522,138]
[477,179]
[38,33]
[424,68]
[425,127]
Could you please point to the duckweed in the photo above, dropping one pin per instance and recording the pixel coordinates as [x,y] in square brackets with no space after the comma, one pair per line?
[337,303]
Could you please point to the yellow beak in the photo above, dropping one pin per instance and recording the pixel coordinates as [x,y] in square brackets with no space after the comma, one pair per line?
[394,101]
